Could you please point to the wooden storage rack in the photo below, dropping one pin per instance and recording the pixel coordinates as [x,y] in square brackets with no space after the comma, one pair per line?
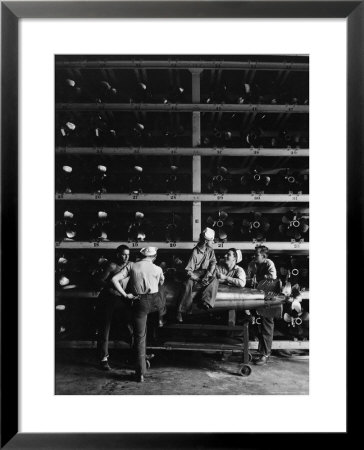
[195,151]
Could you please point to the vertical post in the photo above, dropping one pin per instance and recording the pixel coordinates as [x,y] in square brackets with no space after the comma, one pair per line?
[232,318]
[196,159]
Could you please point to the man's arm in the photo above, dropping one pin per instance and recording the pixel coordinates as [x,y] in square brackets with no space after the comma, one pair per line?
[271,271]
[124,273]
[191,265]
[161,278]
[212,265]
[239,280]
[104,275]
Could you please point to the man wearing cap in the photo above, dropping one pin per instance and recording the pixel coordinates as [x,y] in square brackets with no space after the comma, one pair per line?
[200,269]
[145,283]
[109,300]
[228,272]
[262,268]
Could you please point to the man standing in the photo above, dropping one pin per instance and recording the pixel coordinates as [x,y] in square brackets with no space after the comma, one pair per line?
[262,268]
[145,282]
[110,300]
[200,269]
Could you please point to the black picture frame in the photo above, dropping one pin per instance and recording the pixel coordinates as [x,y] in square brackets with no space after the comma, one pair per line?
[11,13]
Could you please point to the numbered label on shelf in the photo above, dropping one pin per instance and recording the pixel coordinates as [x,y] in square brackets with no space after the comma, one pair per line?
[172,244]
[135,244]
[219,197]
[98,197]
[60,196]
[256,197]
[294,196]
[255,151]
[220,245]
[99,150]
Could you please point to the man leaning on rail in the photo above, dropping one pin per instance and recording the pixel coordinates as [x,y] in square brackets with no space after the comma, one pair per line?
[147,295]
[200,275]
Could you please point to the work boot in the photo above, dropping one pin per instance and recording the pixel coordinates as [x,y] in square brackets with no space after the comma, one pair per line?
[139,378]
[260,360]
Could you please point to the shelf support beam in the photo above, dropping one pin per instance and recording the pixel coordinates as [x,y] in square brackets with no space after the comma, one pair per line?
[196,159]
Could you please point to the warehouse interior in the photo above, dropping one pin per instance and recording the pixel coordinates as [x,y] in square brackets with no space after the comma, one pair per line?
[150,150]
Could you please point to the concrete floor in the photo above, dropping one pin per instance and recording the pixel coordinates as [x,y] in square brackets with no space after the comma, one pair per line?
[179,373]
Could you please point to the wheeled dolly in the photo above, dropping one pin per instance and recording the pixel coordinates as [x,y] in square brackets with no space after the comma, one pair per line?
[244,370]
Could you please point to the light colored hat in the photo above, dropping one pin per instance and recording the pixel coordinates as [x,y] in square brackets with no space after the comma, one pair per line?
[149,251]
[239,256]
[208,234]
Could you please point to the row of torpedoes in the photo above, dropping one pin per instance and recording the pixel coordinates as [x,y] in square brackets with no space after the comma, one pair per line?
[172,227]
[97,179]
[293,271]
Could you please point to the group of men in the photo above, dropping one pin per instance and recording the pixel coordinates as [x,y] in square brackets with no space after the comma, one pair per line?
[137,288]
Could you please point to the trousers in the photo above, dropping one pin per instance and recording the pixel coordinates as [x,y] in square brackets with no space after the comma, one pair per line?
[108,305]
[145,304]
[208,294]
[266,336]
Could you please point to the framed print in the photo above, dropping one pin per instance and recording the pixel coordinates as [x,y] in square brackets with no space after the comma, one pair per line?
[181,182]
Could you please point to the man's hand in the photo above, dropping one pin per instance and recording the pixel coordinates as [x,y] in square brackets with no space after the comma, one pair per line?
[130,296]
[194,277]
[205,281]
[221,276]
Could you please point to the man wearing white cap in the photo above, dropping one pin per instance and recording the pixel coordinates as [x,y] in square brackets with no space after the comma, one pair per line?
[200,269]
[145,283]
[228,272]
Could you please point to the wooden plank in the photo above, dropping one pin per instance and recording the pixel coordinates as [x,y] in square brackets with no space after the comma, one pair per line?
[196,221]
[194,197]
[253,345]
[274,247]
[173,63]
[184,107]
[189,151]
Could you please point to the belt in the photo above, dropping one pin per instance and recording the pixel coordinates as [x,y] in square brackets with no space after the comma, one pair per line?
[146,295]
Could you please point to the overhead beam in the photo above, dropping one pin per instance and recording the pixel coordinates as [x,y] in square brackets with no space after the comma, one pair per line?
[183,107]
[180,64]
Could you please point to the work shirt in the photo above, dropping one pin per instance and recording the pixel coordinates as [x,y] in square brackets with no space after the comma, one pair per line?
[266,268]
[145,277]
[235,277]
[201,259]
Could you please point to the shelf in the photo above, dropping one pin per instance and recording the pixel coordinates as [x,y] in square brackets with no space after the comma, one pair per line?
[253,345]
[178,64]
[275,247]
[183,107]
[189,151]
[73,294]
[252,197]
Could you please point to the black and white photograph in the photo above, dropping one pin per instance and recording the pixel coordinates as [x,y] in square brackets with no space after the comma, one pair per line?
[181,224]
